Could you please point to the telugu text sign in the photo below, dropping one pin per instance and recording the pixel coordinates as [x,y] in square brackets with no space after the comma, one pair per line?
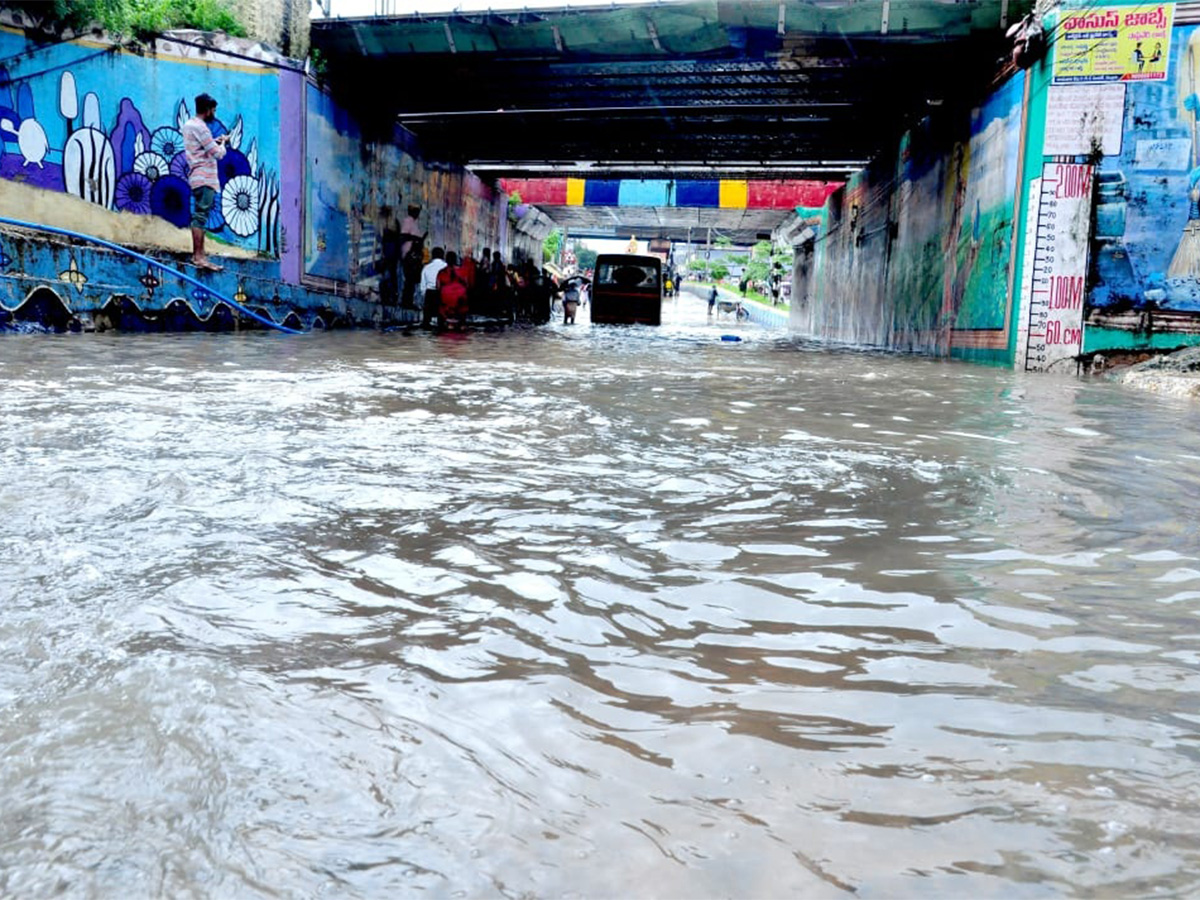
[1114,43]
[1083,118]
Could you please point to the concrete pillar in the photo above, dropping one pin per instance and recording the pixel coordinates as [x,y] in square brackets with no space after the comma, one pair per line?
[802,268]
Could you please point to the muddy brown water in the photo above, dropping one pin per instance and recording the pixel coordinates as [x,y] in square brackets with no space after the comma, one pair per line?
[584,612]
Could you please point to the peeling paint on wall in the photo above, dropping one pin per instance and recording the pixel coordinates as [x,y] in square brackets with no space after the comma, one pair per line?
[917,255]
[349,183]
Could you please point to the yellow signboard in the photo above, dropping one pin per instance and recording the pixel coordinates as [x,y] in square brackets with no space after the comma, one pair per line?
[1114,43]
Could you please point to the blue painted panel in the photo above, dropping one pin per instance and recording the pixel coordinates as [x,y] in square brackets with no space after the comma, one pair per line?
[644,193]
[53,285]
[1146,247]
[698,193]
[104,125]
[601,193]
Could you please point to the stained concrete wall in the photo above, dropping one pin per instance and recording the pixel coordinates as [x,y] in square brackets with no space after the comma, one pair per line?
[915,252]
[350,183]
[280,23]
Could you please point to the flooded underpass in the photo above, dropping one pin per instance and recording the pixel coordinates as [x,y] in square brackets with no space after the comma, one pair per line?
[590,612]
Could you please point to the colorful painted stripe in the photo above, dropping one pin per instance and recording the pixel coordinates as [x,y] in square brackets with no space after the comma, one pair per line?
[703,194]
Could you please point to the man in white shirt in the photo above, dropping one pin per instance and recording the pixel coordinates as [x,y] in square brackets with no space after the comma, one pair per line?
[430,301]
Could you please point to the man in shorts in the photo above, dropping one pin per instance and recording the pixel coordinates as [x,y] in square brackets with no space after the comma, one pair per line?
[203,151]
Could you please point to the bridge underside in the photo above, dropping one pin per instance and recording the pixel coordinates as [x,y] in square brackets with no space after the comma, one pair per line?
[742,226]
[698,89]
[742,211]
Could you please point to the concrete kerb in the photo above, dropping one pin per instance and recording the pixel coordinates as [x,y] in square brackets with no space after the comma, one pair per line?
[760,313]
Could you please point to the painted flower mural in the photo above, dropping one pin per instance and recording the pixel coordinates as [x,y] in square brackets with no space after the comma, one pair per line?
[239,204]
[233,165]
[151,165]
[112,154]
[171,198]
[167,142]
[133,193]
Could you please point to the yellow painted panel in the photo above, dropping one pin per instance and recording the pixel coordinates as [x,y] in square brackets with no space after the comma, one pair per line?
[574,192]
[734,194]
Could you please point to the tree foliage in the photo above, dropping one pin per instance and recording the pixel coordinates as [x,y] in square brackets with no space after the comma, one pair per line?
[551,244]
[140,19]
[762,256]
[585,257]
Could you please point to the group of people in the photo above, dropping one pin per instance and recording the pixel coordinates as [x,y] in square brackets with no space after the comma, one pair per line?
[452,286]
[443,285]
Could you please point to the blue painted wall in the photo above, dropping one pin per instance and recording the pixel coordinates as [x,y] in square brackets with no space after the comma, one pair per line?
[1146,250]
[103,124]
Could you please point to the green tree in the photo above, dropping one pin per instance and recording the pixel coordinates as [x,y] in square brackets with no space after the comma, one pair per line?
[551,244]
[585,256]
[762,255]
[140,19]
[719,271]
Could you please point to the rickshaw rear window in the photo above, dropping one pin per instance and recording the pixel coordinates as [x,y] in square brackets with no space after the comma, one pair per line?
[627,275]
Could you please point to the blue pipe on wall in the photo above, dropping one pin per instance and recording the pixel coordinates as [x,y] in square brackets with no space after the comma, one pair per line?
[153,262]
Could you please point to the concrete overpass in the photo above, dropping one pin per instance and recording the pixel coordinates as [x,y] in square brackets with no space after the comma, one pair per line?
[683,98]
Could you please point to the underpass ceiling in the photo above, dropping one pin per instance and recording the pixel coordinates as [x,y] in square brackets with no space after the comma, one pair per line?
[693,89]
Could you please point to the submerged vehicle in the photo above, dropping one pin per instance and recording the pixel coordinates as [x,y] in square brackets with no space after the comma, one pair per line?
[627,289]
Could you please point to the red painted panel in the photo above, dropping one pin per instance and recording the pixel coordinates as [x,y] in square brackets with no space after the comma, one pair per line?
[551,191]
[788,194]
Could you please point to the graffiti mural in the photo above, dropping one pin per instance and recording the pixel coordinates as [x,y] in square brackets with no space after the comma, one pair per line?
[1145,251]
[352,187]
[916,255]
[954,216]
[978,294]
[104,125]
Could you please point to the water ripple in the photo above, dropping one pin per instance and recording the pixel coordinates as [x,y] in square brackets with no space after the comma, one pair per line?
[366,615]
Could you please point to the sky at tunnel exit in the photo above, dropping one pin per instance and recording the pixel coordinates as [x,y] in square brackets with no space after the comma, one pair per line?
[347,9]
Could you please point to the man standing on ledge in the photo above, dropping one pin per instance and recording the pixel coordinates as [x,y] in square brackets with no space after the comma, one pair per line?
[203,151]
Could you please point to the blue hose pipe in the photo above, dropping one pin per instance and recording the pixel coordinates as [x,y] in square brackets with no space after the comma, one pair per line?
[33,226]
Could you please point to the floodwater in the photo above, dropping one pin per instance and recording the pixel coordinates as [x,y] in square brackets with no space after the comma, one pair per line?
[576,612]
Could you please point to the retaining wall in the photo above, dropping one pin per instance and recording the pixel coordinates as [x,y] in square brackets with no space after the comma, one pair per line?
[915,252]
[90,141]
[1058,222]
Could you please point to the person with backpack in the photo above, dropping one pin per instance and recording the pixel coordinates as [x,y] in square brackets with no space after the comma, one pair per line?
[452,293]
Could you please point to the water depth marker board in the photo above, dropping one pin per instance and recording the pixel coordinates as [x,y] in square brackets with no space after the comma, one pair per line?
[1054,280]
